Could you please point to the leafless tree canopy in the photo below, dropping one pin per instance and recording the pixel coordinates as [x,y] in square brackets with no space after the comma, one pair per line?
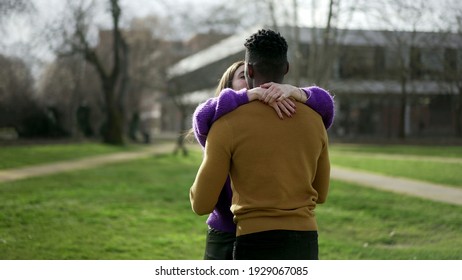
[8,7]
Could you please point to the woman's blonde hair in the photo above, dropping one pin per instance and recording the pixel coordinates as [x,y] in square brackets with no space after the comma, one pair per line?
[226,80]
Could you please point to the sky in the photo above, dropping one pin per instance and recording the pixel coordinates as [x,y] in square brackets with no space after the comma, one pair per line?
[21,29]
[20,33]
[139,8]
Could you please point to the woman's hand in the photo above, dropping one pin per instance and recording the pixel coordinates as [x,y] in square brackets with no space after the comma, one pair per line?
[255,93]
[278,92]
[284,106]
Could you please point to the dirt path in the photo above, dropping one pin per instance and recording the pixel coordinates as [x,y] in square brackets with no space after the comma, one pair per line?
[399,185]
[89,162]
[403,157]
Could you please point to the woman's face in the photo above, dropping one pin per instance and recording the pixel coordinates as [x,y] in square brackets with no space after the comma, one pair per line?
[239,82]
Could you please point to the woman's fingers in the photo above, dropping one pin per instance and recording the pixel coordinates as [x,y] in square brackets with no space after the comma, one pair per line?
[282,108]
[270,95]
[286,108]
[277,92]
[278,111]
[289,104]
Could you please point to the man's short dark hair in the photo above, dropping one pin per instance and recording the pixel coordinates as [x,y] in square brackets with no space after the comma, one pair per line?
[266,50]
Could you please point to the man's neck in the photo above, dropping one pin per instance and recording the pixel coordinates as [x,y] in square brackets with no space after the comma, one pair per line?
[258,82]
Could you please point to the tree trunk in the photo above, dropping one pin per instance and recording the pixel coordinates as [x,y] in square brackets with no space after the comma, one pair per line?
[113,132]
[402,119]
[458,113]
[323,51]
[296,44]
[180,143]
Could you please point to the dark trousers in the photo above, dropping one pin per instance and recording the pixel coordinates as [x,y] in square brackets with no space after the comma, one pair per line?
[277,245]
[219,245]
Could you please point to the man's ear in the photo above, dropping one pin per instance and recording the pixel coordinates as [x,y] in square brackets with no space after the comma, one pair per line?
[287,68]
[250,72]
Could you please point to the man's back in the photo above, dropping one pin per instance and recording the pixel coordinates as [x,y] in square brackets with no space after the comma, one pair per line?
[279,168]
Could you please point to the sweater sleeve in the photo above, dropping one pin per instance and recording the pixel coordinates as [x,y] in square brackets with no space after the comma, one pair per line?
[322,102]
[214,169]
[214,108]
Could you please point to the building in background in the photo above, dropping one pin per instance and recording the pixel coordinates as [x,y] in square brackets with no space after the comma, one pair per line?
[386,84]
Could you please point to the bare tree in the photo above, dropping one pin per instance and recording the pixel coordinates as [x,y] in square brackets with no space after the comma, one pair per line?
[323,45]
[177,96]
[399,15]
[18,107]
[150,56]
[114,78]
[69,86]
[223,16]
[296,42]
[326,37]
[451,18]
[11,7]
[15,90]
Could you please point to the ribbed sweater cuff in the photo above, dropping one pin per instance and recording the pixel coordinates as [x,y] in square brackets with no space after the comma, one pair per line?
[322,102]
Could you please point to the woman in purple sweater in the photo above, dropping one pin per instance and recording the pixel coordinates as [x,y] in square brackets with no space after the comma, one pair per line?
[230,94]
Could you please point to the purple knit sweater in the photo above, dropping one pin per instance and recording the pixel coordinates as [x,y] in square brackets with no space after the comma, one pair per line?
[208,112]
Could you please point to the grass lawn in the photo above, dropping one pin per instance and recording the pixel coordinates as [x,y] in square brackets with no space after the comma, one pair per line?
[429,165]
[135,210]
[17,156]
[140,210]
[361,223]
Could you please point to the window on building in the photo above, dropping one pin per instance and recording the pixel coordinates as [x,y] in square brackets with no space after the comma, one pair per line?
[379,62]
[432,62]
[450,60]
[416,63]
[357,62]
[394,62]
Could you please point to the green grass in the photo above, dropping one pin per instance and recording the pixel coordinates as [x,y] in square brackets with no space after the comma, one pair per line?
[361,223]
[141,210]
[17,156]
[427,166]
[137,210]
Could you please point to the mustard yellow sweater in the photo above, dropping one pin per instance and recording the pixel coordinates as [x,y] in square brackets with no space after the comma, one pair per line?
[279,169]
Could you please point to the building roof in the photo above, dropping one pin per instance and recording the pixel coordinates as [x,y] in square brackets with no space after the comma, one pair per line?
[223,49]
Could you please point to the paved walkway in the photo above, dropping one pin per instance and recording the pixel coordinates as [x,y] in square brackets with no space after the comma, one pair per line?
[7,175]
[403,157]
[421,189]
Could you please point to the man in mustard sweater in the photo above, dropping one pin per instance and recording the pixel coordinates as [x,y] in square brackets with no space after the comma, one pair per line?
[279,169]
